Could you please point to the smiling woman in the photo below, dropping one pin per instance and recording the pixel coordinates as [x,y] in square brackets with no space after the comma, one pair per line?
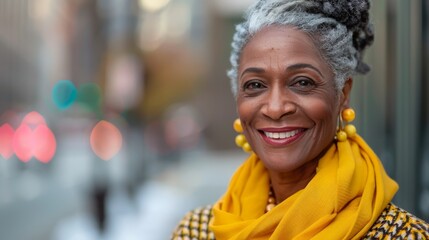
[291,93]
[309,176]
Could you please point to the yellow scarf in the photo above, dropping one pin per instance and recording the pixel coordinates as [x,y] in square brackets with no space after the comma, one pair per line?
[342,201]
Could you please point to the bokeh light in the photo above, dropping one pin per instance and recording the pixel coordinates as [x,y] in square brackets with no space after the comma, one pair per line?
[23,143]
[33,119]
[106,140]
[64,94]
[89,95]
[44,144]
[33,138]
[6,138]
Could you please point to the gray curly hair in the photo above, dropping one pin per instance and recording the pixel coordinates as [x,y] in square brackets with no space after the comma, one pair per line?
[340,29]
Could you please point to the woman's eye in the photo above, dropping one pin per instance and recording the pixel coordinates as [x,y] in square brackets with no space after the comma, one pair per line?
[253,85]
[304,83]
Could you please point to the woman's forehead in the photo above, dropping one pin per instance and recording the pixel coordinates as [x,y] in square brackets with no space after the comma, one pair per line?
[282,44]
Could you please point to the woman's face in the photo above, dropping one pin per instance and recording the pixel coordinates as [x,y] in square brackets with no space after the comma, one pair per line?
[286,98]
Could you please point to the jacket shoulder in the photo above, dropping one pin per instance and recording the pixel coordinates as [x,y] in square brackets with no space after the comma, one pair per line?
[396,223]
[195,225]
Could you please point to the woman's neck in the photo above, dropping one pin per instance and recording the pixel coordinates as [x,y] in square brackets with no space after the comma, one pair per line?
[285,185]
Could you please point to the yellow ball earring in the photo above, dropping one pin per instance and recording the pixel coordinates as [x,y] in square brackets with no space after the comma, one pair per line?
[240,139]
[348,131]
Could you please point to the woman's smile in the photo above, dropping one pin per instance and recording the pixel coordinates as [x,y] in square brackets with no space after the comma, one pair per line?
[278,137]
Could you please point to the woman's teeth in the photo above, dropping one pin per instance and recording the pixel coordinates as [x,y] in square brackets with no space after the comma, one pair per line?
[281,135]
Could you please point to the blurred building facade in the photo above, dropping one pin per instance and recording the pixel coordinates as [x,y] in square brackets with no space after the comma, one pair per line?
[161,69]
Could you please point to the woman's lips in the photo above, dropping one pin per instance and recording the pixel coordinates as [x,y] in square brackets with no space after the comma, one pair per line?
[281,137]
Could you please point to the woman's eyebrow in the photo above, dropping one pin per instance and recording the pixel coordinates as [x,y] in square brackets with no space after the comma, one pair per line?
[304,65]
[252,70]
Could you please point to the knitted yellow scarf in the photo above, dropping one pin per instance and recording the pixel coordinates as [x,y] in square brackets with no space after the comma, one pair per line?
[342,201]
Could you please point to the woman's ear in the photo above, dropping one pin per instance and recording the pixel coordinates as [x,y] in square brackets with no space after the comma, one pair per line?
[345,96]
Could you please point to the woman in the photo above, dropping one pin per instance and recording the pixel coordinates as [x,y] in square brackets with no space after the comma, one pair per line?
[292,68]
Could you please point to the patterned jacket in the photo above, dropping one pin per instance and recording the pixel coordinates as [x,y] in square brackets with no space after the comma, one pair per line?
[393,223]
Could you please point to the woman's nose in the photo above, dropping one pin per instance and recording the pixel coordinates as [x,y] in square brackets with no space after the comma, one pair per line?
[279,104]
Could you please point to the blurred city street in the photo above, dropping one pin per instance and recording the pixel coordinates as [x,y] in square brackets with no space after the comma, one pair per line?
[197,179]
